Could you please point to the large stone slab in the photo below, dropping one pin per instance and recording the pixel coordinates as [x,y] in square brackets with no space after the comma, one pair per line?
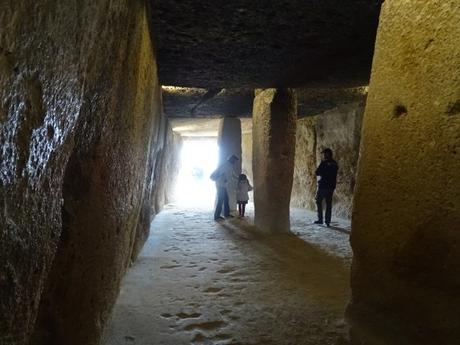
[274,130]
[406,218]
[340,130]
[233,44]
[104,184]
[162,170]
[79,110]
[246,154]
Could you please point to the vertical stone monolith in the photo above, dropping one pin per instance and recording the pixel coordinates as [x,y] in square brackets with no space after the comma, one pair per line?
[274,131]
[117,137]
[79,105]
[246,161]
[406,216]
[229,141]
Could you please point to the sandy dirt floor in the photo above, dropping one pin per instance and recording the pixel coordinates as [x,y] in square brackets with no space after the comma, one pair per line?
[202,282]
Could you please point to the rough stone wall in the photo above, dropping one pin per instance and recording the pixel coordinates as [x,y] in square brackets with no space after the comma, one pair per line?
[170,166]
[340,130]
[163,168]
[274,129]
[304,183]
[406,216]
[246,155]
[79,108]
[149,202]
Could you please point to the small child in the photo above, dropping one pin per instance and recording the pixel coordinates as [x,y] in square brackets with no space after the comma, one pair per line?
[242,196]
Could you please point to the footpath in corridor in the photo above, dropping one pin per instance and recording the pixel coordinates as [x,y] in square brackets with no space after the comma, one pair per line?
[201,282]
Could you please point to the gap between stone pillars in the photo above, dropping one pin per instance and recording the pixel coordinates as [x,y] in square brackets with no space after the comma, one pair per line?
[274,130]
[229,141]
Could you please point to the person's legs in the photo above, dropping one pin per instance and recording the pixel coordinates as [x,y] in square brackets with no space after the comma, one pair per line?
[243,206]
[319,205]
[226,205]
[220,200]
[328,197]
[240,206]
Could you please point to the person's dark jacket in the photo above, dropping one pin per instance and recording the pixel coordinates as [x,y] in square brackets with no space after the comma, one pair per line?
[327,170]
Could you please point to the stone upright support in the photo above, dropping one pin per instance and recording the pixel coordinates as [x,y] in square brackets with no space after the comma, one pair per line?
[246,161]
[406,217]
[229,141]
[105,184]
[274,130]
[80,104]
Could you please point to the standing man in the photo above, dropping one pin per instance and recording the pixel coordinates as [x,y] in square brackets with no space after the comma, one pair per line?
[222,175]
[327,180]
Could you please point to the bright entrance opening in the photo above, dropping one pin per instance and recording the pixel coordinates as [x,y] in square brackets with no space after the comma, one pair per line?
[199,158]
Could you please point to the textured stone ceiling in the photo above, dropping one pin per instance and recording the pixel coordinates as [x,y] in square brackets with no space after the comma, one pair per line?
[201,103]
[180,102]
[264,43]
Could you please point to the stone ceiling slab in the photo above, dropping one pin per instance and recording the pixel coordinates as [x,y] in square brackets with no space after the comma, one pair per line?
[239,43]
[180,102]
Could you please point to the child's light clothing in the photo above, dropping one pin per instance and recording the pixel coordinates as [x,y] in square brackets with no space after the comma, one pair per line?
[243,188]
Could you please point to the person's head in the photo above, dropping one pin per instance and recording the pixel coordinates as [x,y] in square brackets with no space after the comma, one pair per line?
[327,154]
[232,159]
[243,177]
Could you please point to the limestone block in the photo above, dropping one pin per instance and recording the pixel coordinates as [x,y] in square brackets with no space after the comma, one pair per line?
[229,142]
[104,185]
[246,147]
[163,168]
[304,183]
[274,128]
[281,43]
[171,165]
[406,216]
[79,104]
[340,130]
[44,61]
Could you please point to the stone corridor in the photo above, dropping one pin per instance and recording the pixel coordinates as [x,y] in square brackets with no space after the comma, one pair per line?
[201,282]
[98,99]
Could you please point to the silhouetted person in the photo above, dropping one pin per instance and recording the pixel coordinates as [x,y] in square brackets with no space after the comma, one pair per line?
[242,194]
[221,176]
[327,180]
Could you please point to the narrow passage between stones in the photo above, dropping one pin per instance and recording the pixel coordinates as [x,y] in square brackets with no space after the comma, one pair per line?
[202,282]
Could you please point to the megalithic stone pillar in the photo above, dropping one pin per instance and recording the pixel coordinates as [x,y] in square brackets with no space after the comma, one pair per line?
[274,130]
[406,217]
[229,141]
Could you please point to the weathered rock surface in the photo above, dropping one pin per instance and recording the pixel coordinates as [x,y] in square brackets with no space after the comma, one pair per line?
[306,160]
[405,238]
[340,130]
[170,168]
[246,155]
[240,43]
[316,101]
[79,111]
[274,129]
[196,103]
[162,172]
[104,189]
